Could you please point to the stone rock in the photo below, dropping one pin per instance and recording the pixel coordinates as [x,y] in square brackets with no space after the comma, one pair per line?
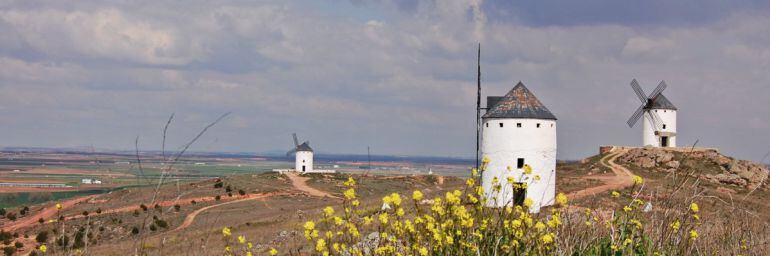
[673,164]
[727,178]
[645,162]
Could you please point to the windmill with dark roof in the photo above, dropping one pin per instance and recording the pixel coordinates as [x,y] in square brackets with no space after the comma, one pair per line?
[303,155]
[518,137]
[659,125]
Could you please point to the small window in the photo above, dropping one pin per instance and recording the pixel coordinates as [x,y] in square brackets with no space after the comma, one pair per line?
[520,163]
[538,125]
[551,125]
[487,124]
[664,127]
[656,111]
[501,124]
[664,111]
[303,161]
[518,125]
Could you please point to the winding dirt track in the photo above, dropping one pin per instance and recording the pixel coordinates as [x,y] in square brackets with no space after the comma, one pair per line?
[191,217]
[621,180]
[300,183]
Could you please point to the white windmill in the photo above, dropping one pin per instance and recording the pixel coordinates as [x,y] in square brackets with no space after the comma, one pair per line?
[519,133]
[659,125]
[303,160]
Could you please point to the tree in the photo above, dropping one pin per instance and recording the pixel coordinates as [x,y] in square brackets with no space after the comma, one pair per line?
[177,207]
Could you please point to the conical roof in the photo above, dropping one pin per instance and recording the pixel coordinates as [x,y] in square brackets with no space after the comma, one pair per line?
[519,103]
[304,147]
[661,102]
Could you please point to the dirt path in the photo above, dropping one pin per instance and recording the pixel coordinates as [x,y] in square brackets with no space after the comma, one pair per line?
[191,217]
[622,178]
[300,183]
[45,214]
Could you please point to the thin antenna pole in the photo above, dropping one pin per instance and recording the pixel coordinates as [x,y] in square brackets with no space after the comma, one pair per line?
[478,103]
[369,157]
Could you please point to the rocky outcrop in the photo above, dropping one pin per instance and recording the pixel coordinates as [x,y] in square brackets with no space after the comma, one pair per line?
[709,164]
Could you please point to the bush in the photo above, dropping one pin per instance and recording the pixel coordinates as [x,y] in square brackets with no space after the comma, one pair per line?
[18,245]
[42,236]
[217,197]
[85,213]
[11,216]
[63,241]
[99,210]
[134,230]
[41,220]
[161,223]
[9,250]
[228,189]
[2,211]
[177,207]
[193,202]
[218,183]
[241,192]
[144,207]
[153,227]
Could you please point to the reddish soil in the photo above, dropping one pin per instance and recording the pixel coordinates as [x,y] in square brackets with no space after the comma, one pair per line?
[45,214]
[300,183]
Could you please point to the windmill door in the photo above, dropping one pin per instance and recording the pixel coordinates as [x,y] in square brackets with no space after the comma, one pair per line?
[519,194]
[664,141]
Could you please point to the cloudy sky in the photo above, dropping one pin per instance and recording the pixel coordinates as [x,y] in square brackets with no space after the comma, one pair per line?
[397,75]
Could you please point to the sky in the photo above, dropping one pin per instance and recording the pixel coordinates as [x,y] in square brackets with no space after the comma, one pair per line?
[396,75]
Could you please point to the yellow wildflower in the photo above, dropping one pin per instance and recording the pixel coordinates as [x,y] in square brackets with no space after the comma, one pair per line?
[694,207]
[350,194]
[355,203]
[527,169]
[626,208]
[351,182]
[417,195]
[241,239]
[675,226]
[627,242]
[43,248]
[539,226]
[474,172]
[320,245]
[561,199]
[693,234]
[249,245]
[309,225]
[328,211]
[226,232]
[547,238]
[58,206]
[615,194]
[537,177]
[528,202]
[384,218]
[637,180]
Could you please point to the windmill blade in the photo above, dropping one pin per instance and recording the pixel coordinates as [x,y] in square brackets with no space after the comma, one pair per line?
[656,120]
[635,117]
[661,86]
[638,90]
[653,122]
[296,142]
[292,151]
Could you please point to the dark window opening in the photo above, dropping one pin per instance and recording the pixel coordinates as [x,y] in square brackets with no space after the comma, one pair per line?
[487,124]
[501,124]
[520,163]
[519,194]
[303,168]
[664,127]
[518,125]
[664,141]
[538,125]
[551,125]
[303,161]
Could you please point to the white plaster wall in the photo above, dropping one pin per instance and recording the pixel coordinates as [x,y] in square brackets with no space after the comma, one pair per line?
[667,117]
[304,158]
[504,145]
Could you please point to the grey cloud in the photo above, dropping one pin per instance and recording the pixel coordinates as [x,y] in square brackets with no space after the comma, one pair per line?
[403,82]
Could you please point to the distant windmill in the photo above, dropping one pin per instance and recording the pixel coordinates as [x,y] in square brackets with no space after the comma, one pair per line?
[659,125]
[303,155]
